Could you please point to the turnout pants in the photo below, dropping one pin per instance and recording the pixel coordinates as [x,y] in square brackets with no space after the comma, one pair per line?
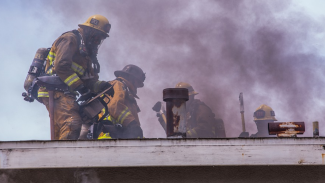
[67,120]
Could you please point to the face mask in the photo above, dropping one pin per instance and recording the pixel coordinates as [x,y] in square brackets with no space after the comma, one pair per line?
[93,41]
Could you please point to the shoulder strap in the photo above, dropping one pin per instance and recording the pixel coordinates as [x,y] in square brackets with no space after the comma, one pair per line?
[125,87]
[82,47]
[81,43]
[127,91]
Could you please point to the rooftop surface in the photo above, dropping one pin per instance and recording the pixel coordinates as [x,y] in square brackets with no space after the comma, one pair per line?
[162,153]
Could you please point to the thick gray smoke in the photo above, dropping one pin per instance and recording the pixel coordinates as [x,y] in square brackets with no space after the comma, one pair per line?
[261,48]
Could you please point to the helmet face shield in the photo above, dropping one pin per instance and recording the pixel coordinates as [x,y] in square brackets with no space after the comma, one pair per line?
[94,40]
[259,114]
[107,28]
[264,112]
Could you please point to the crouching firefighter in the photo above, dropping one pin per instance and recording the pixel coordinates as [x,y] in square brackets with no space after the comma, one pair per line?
[201,121]
[72,60]
[123,108]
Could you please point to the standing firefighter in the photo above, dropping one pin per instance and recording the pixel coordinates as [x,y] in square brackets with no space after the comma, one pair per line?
[73,58]
[123,108]
[201,121]
[262,116]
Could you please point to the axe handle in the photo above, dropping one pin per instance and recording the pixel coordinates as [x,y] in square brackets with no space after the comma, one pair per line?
[243,121]
[163,123]
[164,118]
[51,106]
[98,95]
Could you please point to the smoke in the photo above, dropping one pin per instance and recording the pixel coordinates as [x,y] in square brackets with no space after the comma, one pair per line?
[265,49]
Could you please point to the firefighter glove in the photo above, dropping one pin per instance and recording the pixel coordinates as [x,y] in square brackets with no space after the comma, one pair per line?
[84,92]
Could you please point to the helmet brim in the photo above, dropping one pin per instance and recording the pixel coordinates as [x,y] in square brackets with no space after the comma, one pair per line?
[265,118]
[86,25]
[121,73]
[193,93]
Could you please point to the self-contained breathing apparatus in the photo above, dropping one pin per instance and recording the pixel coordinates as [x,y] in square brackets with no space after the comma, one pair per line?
[36,69]
[37,78]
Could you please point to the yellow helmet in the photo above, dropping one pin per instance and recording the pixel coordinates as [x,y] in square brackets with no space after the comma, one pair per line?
[264,112]
[188,86]
[98,22]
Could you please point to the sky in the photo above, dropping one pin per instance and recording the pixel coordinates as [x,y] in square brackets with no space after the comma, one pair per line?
[272,51]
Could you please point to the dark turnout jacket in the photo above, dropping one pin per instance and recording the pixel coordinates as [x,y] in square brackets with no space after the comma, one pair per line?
[66,61]
[201,122]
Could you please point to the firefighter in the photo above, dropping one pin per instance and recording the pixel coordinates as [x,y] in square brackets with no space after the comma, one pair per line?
[123,108]
[201,121]
[262,116]
[73,58]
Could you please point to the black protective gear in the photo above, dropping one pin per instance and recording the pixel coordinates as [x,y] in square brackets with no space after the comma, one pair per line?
[115,131]
[132,71]
[133,130]
[84,92]
[104,85]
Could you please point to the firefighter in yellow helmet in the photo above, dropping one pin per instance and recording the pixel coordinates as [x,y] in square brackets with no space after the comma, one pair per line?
[201,121]
[123,108]
[73,58]
[262,116]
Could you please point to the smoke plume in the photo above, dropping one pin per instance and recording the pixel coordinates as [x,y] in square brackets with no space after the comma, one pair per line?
[264,49]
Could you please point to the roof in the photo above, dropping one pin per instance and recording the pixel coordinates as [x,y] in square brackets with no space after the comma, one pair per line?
[162,152]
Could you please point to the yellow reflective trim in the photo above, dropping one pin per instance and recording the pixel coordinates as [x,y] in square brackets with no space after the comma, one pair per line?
[77,68]
[110,118]
[122,113]
[118,119]
[104,136]
[189,133]
[51,57]
[52,54]
[194,132]
[50,72]
[128,113]
[71,79]
[43,94]
[100,115]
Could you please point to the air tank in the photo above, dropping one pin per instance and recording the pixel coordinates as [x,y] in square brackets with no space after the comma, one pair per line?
[37,67]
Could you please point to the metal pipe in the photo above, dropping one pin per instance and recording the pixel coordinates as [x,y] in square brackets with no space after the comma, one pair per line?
[241,105]
[175,99]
